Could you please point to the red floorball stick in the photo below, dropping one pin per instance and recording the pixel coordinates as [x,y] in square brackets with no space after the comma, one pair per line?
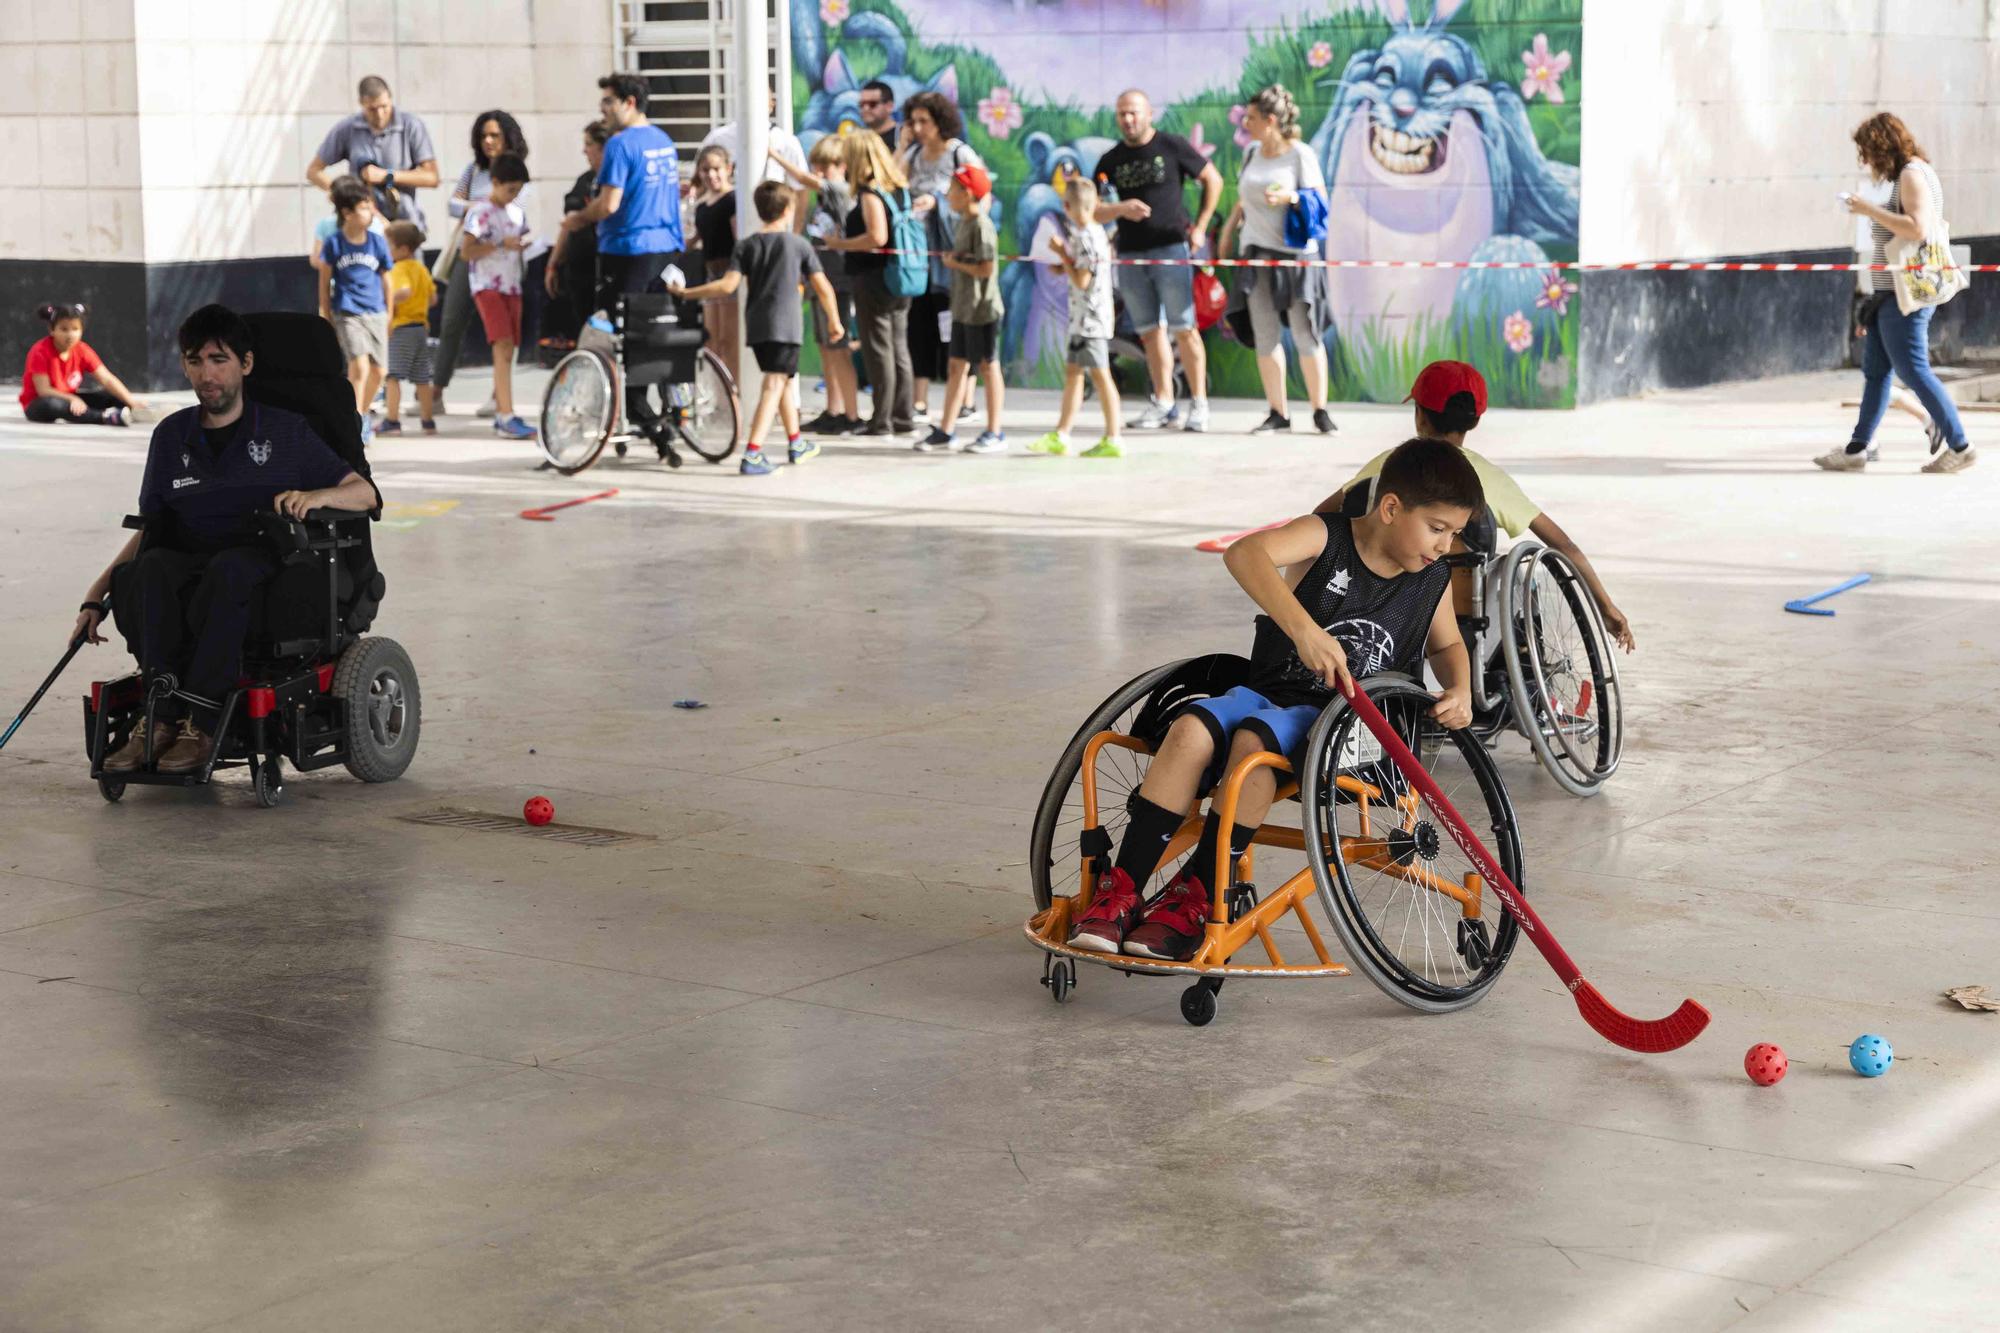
[543,515]
[1215,545]
[1671,1033]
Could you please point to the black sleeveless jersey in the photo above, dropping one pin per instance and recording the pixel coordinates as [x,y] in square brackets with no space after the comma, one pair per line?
[1382,624]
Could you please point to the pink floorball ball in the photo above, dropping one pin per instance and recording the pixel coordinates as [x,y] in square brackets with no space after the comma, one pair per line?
[540,810]
[1765,1064]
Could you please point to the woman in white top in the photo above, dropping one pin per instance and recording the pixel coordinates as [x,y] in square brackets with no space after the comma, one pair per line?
[493,133]
[1279,168]
[1899,344]
[932,151]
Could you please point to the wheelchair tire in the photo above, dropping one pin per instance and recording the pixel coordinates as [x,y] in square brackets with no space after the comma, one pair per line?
[579,410]
[267,781]
[1555,647]
[111,790]
[383,705]
[713,423]
[1374,910]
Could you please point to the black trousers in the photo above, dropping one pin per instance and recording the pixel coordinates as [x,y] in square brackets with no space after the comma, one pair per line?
[188,613]
[50,407]
[621,275]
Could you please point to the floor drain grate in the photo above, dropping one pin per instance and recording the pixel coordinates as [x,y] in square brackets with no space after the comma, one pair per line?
[573,834]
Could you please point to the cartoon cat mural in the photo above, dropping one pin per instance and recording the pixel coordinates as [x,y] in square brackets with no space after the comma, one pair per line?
[835,104]
[1426,157]
[1037,294]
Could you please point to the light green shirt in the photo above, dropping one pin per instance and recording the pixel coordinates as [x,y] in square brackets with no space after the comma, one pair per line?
[1511,507]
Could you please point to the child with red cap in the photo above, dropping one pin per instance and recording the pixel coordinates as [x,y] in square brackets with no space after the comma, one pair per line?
[976,309]
[1450,398]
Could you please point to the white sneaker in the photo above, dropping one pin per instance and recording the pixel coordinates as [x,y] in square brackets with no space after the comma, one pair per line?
[1157,417]
[1953,460]
[989,442]
[1839,460]
[491,409]
[1196,420]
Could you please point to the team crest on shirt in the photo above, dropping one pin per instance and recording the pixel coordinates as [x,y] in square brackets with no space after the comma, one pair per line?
[1337,585]
[186,460]
[260,452]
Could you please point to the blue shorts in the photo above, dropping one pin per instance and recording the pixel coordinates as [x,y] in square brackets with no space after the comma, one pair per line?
[1283,730]
[1156,296]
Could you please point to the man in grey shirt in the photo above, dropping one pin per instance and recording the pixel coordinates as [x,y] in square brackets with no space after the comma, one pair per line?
[389,150]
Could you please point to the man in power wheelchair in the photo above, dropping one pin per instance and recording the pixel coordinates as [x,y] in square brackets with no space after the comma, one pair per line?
[247,585]
[1342,597]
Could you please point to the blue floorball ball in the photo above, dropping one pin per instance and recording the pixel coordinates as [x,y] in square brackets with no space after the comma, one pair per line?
[1870,1055]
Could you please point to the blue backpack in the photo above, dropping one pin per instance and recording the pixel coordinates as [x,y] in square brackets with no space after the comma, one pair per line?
[909,269]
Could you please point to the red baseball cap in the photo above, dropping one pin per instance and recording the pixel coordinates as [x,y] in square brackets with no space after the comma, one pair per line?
[1440,380]
[975,180]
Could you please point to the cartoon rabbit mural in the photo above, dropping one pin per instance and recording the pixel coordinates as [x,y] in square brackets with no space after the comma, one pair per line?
[835,104]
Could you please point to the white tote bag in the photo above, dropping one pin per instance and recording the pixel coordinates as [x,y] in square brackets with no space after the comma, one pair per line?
[1926,272]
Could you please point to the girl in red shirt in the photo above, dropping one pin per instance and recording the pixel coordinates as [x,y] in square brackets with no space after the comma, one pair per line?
[52,382]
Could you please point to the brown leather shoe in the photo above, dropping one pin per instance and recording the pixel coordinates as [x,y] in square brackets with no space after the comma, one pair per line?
[188,752]
[129,756]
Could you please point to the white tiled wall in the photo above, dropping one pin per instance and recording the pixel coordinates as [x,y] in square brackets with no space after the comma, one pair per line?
[166,130]
[1719,127]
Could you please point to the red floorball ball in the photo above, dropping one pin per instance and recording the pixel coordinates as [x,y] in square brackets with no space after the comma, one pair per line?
[540,810]
[1765,1064]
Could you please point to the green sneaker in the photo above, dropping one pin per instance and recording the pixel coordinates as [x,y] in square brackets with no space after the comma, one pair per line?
[1051,443]
[1104,448]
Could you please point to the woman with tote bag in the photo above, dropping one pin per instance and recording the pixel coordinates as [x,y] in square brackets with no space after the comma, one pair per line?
[1909,231]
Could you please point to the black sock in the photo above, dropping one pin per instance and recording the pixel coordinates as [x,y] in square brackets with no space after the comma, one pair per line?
[1203,864]
[1857,446]
[1146,836]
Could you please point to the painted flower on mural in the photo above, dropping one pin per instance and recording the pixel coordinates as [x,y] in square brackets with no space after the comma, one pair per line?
[834,11]
[1236,114]
[1321,55]
[1555,293]
[1197,140]
[1545,70]
[1000,113]
[1518,332]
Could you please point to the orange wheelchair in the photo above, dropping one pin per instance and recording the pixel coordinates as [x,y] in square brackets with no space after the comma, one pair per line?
[1408,909]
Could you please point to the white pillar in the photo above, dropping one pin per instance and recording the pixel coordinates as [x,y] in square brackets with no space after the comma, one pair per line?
[750,97]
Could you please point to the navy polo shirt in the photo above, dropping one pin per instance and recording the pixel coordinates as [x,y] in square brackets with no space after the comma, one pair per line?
[209,491]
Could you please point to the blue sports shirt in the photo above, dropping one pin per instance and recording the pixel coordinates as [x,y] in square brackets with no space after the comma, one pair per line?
[643,163]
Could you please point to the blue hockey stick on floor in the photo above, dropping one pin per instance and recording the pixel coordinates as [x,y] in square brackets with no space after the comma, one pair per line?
[1806,606]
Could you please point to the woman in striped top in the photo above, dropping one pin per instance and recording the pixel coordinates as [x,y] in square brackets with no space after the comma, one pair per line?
[1899,344]
[493,133]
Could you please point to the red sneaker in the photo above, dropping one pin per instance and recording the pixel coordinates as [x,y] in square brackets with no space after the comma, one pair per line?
[1103,924]
[1172,926]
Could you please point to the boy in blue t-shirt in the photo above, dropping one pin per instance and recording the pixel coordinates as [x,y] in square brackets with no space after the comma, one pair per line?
[354,289]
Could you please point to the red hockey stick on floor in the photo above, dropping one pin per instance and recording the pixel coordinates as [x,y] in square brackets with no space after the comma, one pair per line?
[1671,1033]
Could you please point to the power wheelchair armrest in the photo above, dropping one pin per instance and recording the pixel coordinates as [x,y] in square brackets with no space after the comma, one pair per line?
[319,530]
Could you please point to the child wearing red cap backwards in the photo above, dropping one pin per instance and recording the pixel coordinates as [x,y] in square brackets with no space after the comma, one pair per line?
[1451,398]
[976,309]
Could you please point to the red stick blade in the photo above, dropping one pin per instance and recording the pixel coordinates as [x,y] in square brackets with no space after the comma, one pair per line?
[1649,1036]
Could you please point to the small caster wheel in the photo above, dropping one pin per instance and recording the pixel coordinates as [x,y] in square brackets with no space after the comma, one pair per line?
[110,790]
[1198,1004]
[269,782]
[1475,946]
[1060,977]
[1242,901]
[620,447]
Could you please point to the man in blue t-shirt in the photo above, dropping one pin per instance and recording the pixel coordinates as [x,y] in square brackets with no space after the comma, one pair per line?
[636,211]
[183,604]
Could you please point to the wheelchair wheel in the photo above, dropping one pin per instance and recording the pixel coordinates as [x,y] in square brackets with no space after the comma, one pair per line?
[268,782]
[707,410]
[376,684]
[579,410]
[111,790]
[1392,880]
[1562,672]
[1055,852]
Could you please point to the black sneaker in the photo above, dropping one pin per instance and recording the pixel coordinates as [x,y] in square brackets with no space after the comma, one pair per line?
[1276,421]
[1323,421]
[848,426]
[826,423]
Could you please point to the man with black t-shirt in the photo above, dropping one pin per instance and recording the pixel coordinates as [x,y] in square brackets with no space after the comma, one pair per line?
[183,604]
[1143,183]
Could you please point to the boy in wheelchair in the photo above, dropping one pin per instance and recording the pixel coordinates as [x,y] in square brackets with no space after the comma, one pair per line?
[1342,597]
[1450,398]
[184,599]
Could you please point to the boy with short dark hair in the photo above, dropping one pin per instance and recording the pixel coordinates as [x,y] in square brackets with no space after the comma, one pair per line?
[976,311]
[354,290]
[412,293]
[774,260]
[496,233]
[1342,598]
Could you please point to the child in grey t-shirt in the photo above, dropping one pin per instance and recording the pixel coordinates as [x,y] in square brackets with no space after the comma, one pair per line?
[1086,262]
[776,263]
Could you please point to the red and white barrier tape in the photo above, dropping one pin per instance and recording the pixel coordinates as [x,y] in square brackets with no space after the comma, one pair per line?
[1565,265]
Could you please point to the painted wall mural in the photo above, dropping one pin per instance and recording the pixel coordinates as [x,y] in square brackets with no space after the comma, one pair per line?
[1448,130]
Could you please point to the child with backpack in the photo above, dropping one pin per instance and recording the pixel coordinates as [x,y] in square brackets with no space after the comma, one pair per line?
[883,220]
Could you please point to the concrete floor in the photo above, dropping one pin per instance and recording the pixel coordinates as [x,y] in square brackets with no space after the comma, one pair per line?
[783,1059]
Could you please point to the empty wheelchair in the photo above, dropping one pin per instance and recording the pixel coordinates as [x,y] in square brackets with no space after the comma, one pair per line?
[317,689]
[1405,904]
[655,341]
